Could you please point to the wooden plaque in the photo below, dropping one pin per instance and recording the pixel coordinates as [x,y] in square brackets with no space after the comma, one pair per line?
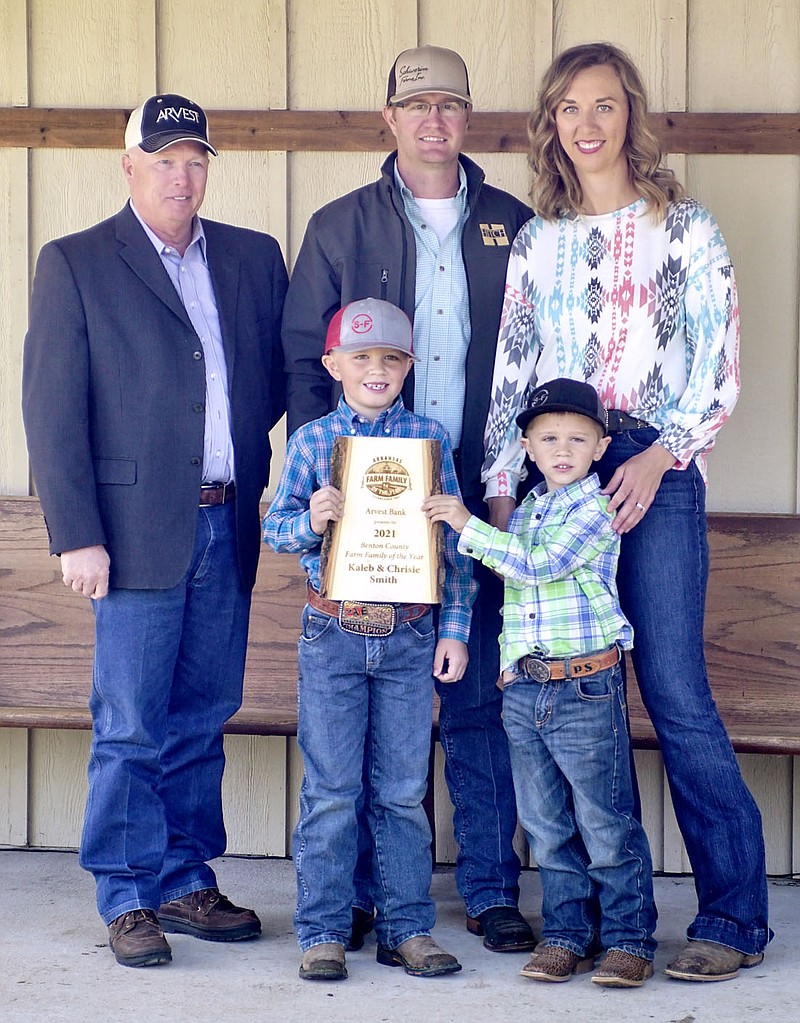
[384,549]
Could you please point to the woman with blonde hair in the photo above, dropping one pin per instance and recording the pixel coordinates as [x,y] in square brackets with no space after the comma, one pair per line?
[622,281]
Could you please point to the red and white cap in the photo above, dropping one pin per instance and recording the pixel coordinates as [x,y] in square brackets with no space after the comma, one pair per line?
[370,323]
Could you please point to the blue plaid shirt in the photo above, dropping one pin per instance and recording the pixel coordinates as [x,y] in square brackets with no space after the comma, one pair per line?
[307,468]
[559,558]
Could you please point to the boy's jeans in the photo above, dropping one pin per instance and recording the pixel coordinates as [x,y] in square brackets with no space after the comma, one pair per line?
[356,691]
[570,754]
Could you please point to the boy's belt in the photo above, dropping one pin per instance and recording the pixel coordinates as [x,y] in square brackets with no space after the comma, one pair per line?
[543,669]
[366,618]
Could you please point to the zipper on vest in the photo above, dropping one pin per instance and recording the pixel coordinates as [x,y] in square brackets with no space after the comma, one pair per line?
[384,283]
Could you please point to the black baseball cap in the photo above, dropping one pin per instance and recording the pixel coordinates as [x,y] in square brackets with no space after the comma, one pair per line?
[564,395]
[163,120]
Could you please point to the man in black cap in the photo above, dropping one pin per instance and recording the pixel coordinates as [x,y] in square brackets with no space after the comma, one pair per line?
[431,237]
[152,376]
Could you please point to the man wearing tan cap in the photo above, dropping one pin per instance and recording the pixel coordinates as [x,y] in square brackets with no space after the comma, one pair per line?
[431,237]
[152,377]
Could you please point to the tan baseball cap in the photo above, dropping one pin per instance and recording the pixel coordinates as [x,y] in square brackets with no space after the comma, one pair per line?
[428,69]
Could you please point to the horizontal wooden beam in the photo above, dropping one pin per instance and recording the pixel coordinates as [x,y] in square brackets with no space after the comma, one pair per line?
[365,131]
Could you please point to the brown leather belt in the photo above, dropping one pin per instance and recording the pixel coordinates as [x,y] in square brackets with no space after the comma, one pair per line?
[216,493]
[366,618]
[617,421]
[543,669]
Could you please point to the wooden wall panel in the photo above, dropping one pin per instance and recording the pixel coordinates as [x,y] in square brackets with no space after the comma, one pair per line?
[510,172]
[58,786]
[756,200]
[652,31]
[71,189]
[317,178]
[13,251]
[13,317]
[744,55]
[87,53]
[13,786]
[340,52]
[254,795]
[13,52]
[506,46]
[770,781]
[223,57]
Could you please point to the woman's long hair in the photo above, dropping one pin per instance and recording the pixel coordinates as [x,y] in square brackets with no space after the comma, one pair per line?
[556,189]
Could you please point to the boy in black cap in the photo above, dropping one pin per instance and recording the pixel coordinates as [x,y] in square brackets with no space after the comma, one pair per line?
[563,695]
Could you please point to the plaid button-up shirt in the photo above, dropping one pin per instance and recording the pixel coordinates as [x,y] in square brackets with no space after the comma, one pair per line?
[559,559]
[307,467]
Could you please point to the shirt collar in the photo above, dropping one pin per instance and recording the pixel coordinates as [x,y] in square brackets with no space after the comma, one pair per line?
[408,195]
[566,495]
[386,420]
[198,235]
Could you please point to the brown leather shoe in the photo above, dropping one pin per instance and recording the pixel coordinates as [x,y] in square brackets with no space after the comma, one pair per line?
[208,915]
[324,962]
[136,939]
[554,963]
[707,960]
[419,957]
[622,969]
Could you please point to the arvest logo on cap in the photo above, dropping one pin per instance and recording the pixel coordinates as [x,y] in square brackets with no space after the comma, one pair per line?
[362,324]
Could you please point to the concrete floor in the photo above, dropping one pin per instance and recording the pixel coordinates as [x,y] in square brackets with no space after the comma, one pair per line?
[55,964]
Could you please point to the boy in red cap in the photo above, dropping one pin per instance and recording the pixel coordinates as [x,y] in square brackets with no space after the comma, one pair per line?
[366,698]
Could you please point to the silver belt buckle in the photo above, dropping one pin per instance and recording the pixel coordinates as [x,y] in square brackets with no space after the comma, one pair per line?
[538,670]
[367,619]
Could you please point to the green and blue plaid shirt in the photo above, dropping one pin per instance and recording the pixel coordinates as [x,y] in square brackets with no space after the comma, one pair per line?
[559,559]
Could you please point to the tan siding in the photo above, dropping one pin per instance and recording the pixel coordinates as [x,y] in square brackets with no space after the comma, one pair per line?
[13,786]
[84,52]
[652,32]
[756,200]
[254,794]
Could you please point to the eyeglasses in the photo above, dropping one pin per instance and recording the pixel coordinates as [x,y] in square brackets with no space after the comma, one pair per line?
[419,108]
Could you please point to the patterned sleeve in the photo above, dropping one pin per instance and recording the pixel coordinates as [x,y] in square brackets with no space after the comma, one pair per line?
[287,524]
[585,535]
[711,310]
[514,367]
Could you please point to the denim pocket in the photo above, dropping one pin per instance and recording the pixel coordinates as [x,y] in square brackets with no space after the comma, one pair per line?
[422,627]
[595,687]
[315,625]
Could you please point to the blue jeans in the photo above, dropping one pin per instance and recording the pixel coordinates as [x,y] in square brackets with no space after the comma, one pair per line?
[570,753]
[363,699]
[168,670]
[662,576]
[477,763]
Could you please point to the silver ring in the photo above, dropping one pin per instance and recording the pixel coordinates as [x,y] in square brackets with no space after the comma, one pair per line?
[640,506]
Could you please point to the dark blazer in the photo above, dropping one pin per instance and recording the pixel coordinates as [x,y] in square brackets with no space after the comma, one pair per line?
[114,394]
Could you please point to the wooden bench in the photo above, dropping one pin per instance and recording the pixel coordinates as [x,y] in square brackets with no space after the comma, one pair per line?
[752,631]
